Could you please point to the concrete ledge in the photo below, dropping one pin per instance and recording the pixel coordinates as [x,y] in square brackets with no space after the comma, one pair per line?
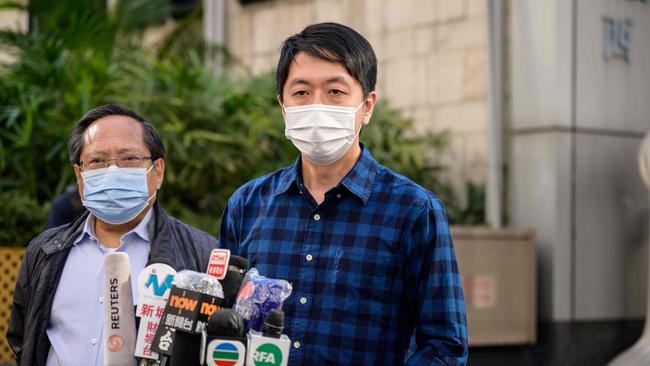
[498,270]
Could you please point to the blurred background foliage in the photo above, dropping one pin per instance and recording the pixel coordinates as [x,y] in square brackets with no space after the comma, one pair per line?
[220,129]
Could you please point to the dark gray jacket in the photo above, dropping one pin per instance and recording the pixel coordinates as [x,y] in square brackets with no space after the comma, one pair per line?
[172,242]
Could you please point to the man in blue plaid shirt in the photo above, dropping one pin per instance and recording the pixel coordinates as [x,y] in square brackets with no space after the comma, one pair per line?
[367,250]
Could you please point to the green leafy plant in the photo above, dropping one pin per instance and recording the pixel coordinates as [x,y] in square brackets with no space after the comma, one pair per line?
[22,218]
[471,209]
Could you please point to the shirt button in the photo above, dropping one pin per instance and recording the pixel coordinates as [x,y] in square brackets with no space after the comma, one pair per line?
[309,257]
[93,341]
[303,300]
[316,217]
[338,195]
[296,344]
[101,299]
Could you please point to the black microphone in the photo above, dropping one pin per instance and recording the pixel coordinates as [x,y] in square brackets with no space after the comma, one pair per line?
[193,298]
[224,341]
[255,302]
[270,346]
[273,324]
[234,277]
[226,323]
[187,347]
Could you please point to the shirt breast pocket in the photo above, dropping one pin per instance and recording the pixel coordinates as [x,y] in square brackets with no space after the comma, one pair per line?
[367,283]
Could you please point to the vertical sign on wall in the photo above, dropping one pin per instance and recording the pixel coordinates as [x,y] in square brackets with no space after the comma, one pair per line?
[617,38]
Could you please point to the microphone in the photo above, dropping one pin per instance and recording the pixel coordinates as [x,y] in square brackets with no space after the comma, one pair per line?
[225,332]
[234,277]
[179,334]
[226,323]
[193,298]
[273,324]
[197,329]
[259,302]
[230,270]
[258,296]
[119,318]
[270,347]
[154,284]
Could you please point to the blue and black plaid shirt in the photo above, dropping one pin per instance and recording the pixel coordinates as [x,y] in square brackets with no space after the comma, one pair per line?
[369,266]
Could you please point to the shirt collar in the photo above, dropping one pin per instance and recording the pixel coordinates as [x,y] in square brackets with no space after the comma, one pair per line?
[140,230]
[361,178]
[289,177]
[358,181]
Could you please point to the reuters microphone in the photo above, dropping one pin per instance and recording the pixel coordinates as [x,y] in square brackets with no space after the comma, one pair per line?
[119,317]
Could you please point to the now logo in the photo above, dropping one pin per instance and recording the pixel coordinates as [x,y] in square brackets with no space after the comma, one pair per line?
[182,303]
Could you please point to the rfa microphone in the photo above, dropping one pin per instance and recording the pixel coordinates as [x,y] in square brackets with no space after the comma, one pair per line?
[119,318]
[270,347]
[273,324]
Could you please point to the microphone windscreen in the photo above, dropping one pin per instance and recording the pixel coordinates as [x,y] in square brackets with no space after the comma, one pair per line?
[119,317]
[273,324]
[234,277]
[226,323]
[239,262]
[186,349]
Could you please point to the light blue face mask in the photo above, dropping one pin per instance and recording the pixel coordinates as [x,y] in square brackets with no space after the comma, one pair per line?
[116,195]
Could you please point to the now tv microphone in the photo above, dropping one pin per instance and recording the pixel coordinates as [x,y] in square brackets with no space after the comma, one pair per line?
[192,299]
[119,317]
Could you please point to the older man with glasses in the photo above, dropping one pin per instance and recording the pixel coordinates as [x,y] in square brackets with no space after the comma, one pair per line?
[118,160]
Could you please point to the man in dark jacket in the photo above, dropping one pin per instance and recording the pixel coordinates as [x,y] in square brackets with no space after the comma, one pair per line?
[57,310]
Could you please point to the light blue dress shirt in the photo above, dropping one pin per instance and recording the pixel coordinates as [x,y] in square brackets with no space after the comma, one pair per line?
[76,320]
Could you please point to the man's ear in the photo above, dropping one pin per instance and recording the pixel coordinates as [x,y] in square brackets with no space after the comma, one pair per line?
[369,106]
[80,180]
[280,103]
[159,168]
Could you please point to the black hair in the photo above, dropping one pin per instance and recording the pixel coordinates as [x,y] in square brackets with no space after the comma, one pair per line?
[332,42]
[150,135]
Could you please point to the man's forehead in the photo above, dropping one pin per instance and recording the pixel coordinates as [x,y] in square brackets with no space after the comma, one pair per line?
[115,132]
[90,133]
[305,67]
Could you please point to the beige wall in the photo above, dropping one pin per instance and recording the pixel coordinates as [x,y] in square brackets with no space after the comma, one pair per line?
[432,59]
[12,19]
[577,121]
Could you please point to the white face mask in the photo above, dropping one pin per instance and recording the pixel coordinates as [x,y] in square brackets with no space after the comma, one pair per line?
[323,133]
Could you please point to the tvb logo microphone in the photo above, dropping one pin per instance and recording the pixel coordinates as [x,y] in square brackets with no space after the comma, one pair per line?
[222,352]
